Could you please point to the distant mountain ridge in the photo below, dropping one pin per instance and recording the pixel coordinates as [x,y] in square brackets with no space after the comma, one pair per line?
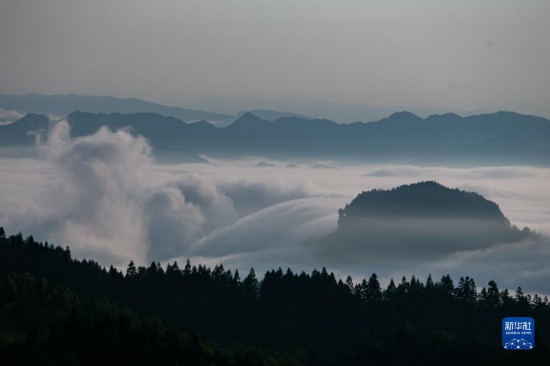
[503,138]
[271,115]
[63,104]
[22,132]
[319,108]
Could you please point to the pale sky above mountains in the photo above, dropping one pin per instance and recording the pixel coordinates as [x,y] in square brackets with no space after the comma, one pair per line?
[489,55]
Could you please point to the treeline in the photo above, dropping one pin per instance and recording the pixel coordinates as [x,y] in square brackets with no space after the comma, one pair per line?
[75,310]
[58,311]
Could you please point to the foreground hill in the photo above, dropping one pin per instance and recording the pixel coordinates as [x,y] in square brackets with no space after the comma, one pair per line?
[57,310]
[502,138]
[420,220]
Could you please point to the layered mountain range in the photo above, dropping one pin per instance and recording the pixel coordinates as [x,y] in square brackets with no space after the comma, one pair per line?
[503,138]
[63,104]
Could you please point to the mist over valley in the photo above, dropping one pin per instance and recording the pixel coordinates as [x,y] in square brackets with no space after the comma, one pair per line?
[103,185]
[276,183]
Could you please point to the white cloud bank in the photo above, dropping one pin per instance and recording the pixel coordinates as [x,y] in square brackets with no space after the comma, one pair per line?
[101,195]
[105,197]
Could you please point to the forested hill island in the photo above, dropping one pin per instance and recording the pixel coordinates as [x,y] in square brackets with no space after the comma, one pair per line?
[503,138]
[419,220]
[423,199]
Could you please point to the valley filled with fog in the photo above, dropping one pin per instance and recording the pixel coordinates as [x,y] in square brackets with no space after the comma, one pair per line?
[290,183]
[106,197]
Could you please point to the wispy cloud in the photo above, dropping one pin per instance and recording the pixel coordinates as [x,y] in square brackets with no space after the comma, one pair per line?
[9,116]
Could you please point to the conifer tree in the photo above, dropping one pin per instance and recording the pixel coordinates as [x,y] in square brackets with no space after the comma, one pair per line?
[373,291]
[429,282]
[250,283]
[493,295]
[131,271]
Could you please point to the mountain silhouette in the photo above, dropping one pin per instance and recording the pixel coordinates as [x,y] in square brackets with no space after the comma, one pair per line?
[503,138]
[423,219]
[163,133]
[318,108]
[22,131]
[249,121]
[423,199]
[270,115]
[68,103]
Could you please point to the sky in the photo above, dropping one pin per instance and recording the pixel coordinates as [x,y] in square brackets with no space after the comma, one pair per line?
[488,55]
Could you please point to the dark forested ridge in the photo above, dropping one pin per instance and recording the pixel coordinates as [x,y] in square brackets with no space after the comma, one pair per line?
[58,310]
[423,199]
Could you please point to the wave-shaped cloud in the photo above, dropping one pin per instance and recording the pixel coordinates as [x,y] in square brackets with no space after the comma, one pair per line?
[287,224]
[103,196]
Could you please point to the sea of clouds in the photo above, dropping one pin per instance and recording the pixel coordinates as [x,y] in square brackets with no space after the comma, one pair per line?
[106,197]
